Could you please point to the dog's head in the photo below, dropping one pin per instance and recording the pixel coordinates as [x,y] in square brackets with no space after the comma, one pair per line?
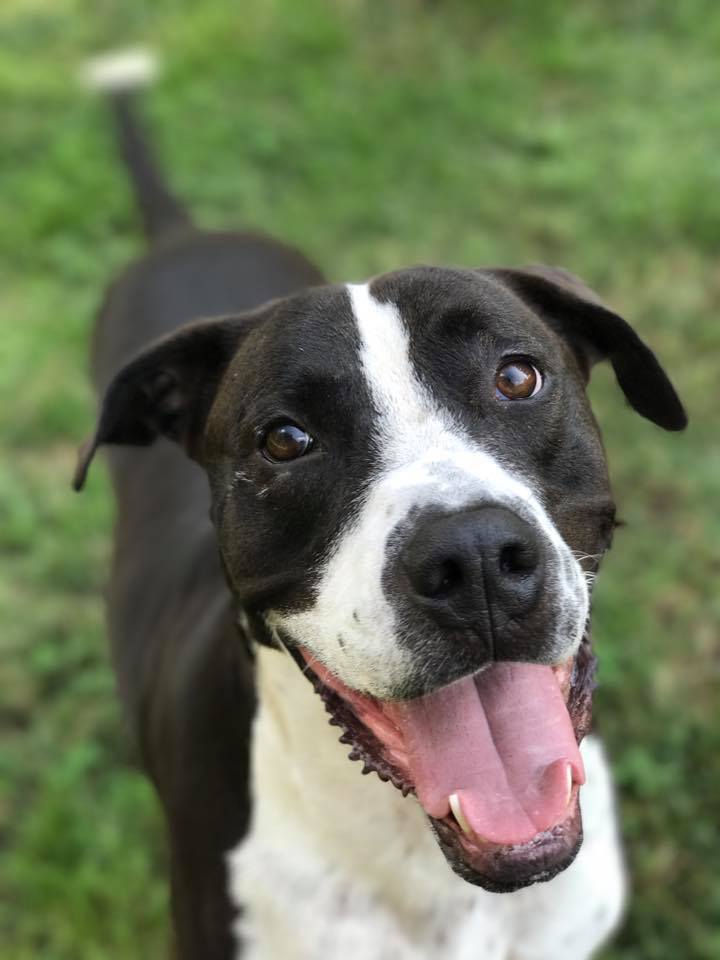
[411,497]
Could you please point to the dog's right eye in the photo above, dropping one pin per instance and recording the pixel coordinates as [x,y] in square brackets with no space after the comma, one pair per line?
[285,441]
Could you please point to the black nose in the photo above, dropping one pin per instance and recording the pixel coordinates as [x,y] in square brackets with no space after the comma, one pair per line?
[477,568]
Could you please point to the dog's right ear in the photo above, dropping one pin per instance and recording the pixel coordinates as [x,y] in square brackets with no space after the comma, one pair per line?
[166,391]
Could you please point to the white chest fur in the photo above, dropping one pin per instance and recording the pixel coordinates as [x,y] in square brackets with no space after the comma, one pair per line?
[338,865]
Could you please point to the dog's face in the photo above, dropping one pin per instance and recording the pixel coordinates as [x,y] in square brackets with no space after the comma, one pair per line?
[410,492]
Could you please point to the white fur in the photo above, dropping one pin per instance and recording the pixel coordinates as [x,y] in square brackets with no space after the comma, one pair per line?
[120,70]
[339,866]
[426,458]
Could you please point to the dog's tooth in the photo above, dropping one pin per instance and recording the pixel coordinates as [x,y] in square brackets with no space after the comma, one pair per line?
[569,776]
[457,812]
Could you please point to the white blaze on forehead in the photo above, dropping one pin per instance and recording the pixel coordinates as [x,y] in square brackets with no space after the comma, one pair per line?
[420,443]
[412,429]
[424,458]
[406,413]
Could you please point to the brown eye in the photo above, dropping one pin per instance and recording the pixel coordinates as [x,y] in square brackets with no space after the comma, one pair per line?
[517,380]
[286,441]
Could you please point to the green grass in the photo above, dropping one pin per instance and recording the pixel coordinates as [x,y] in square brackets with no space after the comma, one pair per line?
[374,135]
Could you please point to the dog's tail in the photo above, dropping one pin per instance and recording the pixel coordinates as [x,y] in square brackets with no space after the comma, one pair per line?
[119,75]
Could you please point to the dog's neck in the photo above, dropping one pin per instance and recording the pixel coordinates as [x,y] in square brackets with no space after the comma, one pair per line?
[309,795]
[337,864]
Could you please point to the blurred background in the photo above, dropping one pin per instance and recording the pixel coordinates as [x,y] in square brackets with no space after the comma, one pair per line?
[374,135]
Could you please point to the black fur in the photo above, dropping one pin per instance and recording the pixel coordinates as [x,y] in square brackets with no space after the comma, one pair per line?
[184,673]
[214,387]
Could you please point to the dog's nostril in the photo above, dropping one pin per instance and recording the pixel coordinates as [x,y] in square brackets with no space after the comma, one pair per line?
[443,579]
[517,558]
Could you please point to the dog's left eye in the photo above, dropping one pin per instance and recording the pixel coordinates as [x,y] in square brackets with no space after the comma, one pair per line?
[517,379]
[286,441]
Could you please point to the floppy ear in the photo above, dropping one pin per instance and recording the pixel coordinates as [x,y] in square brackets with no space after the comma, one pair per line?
[596,333]
[167,390]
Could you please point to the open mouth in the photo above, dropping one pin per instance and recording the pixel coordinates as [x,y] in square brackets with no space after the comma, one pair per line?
[493,759]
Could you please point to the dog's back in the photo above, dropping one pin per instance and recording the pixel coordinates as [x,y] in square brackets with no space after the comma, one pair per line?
[185,679]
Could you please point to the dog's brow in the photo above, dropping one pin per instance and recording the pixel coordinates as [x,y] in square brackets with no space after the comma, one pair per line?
[308,392]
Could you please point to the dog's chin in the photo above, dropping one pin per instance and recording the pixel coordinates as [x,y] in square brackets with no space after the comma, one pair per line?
[503,868]
[499,867]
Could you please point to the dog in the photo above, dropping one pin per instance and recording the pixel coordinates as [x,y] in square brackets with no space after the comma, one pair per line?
[361,519]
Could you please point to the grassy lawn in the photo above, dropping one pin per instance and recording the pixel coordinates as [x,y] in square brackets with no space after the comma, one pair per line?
[375,135]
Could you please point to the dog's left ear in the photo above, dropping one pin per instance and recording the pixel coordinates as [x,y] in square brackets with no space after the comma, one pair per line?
[167,390]
[596,333]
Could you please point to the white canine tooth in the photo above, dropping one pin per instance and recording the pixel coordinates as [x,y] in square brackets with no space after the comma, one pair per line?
[569,775]
[457,811]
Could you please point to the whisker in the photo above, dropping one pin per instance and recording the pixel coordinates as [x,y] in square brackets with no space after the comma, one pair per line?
[586,556]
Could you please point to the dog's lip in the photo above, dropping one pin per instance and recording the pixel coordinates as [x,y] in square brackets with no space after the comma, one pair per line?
[365,745]
[502,868]
[474,844]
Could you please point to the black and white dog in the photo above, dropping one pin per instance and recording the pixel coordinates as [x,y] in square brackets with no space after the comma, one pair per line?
[410,498]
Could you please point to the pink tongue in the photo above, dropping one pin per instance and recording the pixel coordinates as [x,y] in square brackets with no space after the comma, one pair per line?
[502,740]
